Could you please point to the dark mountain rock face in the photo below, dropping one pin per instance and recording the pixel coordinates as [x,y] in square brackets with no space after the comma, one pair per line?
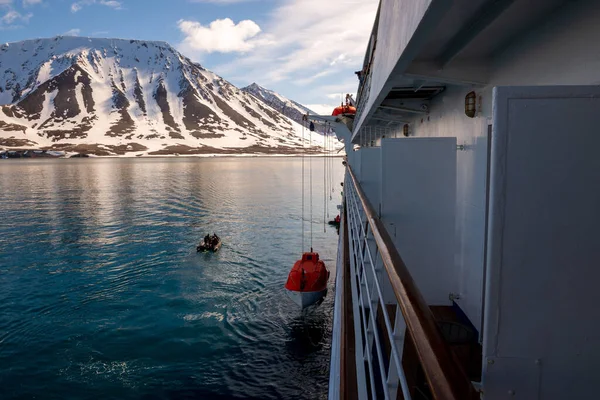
[66,92]
[160,95]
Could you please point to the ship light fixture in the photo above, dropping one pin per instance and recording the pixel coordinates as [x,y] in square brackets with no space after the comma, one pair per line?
[405,130]
[470,104]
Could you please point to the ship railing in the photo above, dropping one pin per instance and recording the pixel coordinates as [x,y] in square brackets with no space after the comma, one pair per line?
[385,305]
[370,136]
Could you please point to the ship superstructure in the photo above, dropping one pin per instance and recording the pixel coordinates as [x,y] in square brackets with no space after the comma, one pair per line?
[469,246]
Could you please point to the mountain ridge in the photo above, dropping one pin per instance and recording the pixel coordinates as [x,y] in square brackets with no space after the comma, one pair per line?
[119,96]
[287,107]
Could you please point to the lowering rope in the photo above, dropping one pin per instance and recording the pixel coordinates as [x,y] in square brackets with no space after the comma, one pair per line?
[327,156]
[325,178]
[329,163]
[325,209]
[310,192]
[302,250]
[331,152]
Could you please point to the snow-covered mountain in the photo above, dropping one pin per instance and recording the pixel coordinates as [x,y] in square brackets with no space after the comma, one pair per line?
[287,107]
[115,96]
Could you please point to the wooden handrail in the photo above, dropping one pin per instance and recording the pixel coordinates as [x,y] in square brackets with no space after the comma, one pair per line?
[447,379]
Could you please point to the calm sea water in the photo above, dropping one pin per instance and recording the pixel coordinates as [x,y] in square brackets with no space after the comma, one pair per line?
[102,294]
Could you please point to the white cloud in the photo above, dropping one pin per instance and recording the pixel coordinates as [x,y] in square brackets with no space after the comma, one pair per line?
[312,78]
[342,59]
[110,3]
[302,46]
[5,2]
[222,35]
[322,109]
[72,32]
[304,41]
[13,16]
[27,3]
[78,5]
[10,17]
[218,1]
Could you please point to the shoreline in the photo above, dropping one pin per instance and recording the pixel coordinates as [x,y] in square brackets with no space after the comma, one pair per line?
[94,152]
[247,155]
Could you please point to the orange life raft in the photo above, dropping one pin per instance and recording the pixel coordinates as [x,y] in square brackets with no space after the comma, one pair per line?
[308,274]
[343,110]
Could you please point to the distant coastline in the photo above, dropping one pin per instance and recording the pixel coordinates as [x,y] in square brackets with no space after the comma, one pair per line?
[24,154]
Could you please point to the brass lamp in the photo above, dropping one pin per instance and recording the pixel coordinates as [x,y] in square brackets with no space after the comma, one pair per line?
[405,130]
[471,104]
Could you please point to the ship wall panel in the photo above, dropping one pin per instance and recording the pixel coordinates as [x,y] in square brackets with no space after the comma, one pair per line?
[418,210]
[370,174]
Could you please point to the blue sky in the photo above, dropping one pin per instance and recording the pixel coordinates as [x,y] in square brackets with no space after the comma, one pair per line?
[306,50]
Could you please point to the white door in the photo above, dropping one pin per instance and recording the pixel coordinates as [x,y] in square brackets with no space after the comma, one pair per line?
[542,321]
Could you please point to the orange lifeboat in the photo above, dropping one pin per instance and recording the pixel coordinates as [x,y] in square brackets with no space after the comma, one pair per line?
[307,281]
[344,110]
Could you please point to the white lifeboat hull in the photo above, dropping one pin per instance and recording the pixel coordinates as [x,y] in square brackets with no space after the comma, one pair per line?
[305,299]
